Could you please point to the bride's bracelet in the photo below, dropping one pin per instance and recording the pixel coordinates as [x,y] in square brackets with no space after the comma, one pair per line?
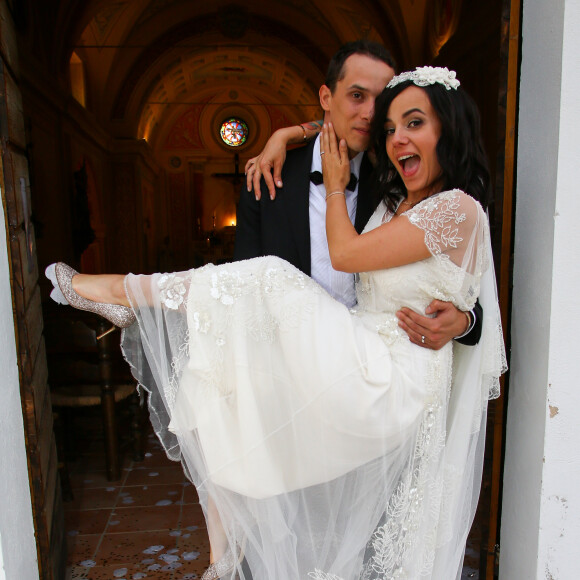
[334,193]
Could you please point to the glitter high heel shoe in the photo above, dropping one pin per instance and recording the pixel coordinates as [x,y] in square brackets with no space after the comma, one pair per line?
[61,277]
[224,566]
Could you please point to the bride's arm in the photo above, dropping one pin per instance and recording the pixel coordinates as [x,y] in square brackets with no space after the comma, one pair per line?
[270,161]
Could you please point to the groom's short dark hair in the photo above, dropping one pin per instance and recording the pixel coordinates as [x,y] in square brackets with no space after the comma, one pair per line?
[368,48]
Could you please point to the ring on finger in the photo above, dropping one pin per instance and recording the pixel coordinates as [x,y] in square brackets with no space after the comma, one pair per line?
[322,153]
[422,339]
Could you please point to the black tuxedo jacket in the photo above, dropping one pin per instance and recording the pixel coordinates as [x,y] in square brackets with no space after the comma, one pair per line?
[282,227]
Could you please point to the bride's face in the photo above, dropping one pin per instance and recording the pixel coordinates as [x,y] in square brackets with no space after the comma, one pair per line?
[413,130]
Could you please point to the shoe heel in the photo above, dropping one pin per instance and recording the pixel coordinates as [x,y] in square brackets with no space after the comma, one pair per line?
[112,329]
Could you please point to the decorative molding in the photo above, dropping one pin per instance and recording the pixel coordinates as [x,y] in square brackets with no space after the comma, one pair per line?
[106,19]
[185,132]
[277,118]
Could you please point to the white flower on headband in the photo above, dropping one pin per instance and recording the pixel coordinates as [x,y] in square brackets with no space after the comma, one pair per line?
[427,75]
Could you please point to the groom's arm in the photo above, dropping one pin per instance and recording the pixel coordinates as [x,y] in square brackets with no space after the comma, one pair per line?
[472,337]
[444,323]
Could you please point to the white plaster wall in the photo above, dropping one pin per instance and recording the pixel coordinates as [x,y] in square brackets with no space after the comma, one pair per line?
[17,544]
[540,525]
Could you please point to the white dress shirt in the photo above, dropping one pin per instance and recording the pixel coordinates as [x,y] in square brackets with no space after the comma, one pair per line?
[339,285]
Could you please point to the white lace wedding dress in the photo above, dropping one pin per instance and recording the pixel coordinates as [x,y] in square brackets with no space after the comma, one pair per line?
[323,442]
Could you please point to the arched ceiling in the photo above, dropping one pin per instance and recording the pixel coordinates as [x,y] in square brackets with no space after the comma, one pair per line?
[146,59]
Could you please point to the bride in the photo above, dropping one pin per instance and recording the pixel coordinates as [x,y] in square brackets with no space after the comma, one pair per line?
[323,443]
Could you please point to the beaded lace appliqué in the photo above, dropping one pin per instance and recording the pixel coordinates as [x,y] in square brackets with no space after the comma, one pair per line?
[172,290]
[439,217]
[417,497]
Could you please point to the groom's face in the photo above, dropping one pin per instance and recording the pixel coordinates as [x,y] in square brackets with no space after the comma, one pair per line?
[351,106]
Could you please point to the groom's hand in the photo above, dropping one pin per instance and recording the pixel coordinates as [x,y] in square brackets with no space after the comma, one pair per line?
[447,323]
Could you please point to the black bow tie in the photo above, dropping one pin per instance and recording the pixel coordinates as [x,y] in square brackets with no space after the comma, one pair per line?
[316,178]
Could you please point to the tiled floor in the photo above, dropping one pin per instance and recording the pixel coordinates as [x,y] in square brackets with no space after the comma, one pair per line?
[148,525]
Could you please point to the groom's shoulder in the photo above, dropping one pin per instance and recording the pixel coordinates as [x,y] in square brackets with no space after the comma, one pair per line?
[299,159]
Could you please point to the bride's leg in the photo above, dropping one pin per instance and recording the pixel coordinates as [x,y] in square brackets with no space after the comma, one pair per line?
[218,540]
[222,559]
[104,288]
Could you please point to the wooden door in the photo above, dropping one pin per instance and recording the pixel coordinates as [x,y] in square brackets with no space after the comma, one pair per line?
[36,406]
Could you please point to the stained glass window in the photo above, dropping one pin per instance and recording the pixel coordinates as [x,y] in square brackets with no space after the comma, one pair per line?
[234,132]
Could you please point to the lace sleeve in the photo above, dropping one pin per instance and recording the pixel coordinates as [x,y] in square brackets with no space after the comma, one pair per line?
[457,235]
[456,231]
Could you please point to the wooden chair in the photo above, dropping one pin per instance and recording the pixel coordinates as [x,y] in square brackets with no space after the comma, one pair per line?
[84,372]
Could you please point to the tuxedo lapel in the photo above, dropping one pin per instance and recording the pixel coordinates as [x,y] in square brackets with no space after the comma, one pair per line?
[294,206]
[366,203]
[295,198]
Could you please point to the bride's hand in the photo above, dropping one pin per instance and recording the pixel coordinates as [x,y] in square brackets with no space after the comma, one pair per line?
[335,162]
[268,164]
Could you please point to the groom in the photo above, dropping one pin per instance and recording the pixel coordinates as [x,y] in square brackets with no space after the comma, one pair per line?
[292,226]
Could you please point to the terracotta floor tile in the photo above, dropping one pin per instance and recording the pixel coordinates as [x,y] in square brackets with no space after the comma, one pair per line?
[149,495]
[190,494]
[93,498]
[194,549]
[86,521]
[145,518]
[81,548]
[155,571]
[76,573]
[154,476]
[90,478]
[192,516]
[195,568]
[134,547]
[159,459]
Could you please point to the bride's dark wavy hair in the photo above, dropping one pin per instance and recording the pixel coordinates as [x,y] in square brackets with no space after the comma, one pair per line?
[459,150]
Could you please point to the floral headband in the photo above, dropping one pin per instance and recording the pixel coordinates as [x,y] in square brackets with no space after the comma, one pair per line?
[427,75]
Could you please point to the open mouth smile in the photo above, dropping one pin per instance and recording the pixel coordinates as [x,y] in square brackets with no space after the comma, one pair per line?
[409,164]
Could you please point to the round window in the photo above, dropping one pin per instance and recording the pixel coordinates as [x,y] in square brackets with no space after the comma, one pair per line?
[234,132]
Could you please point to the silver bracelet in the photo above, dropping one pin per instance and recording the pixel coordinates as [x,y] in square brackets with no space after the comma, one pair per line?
[334,193]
